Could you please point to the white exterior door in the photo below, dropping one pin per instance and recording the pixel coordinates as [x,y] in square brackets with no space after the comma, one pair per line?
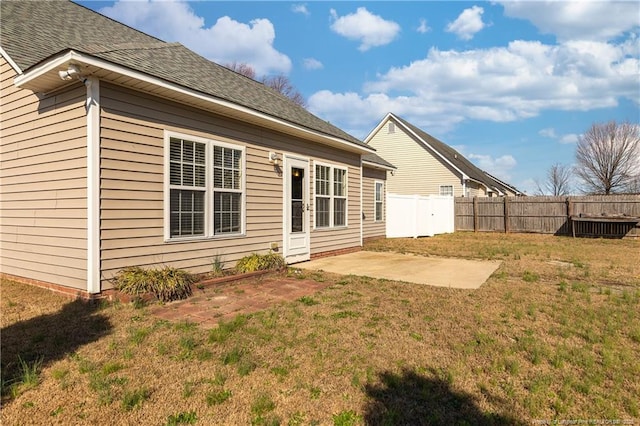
[296,210]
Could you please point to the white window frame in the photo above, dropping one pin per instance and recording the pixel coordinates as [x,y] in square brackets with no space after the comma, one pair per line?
[376,201]
[209,232]
[332,197]
[447,186]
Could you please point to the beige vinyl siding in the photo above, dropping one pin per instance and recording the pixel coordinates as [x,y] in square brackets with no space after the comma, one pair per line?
[476,190]
[43,183]
[132,184]
[371,228]
[419,170]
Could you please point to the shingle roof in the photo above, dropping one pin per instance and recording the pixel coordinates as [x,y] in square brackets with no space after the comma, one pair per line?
[503,186]
[376,159]
[453,156]
[32,32]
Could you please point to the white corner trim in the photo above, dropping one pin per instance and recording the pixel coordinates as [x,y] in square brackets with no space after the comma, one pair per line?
[7,58]
[93,184]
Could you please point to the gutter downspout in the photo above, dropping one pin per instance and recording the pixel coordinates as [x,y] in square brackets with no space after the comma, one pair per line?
[93,184]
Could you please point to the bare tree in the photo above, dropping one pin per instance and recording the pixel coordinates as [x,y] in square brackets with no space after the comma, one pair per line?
[557,181]
[242,68]
[608,158]
[280,83]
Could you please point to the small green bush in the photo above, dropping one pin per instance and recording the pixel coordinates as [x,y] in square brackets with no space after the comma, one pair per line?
[261,262]
[166,284]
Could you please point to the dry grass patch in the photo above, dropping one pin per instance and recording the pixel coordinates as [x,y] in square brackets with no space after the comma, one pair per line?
[539,340]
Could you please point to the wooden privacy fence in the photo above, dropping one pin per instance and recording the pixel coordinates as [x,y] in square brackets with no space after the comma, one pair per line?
[607,215]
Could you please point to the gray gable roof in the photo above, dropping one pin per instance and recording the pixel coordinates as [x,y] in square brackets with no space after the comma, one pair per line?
[453,156]
[32,32]
[376,159]
[503,186]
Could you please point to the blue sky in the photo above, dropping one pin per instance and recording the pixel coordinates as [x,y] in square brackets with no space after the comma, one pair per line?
[511,84]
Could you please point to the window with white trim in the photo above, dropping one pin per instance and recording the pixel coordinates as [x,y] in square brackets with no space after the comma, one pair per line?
[330,196]
[187,187]
[379,206]
[227,190]
[339,197]
[446,190]
[205,185]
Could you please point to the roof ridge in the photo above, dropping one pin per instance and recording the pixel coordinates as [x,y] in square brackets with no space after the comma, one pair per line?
[32,33]
[120,47]
[448,151]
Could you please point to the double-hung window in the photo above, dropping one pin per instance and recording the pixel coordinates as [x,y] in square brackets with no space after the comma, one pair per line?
[379,194]
[187,193]
[330,196]
[227,190]
[339,197]
[446,190]
[205,188]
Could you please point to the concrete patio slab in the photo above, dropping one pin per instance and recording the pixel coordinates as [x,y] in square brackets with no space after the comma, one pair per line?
[436,271]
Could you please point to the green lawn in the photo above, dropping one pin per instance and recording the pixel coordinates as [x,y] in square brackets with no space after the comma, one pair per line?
[553,334]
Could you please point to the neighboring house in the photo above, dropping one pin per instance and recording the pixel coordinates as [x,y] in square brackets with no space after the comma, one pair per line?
[427,166]
[504,188]
[118,149]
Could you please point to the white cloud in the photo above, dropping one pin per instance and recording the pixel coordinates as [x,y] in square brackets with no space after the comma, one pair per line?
[577,20]
[500,84]
[423,27]
[569,138]
[300,8]
[549,132]
[371,30]
[564,139]
[499,167]
[468,23]
[356,114]
[224,42]
[312,64]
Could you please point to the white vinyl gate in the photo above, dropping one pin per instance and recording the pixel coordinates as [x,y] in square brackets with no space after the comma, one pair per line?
[419,216]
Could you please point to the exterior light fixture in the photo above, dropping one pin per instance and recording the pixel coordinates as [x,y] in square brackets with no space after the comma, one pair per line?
[69,73]
[274,158]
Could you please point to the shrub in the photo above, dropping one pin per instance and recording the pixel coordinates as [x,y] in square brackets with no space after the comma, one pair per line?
[166,284]
[260,262]
[217,266]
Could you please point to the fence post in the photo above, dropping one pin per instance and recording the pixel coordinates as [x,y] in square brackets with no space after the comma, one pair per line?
[506,215]
[475,214]
[570,225]
[455,209]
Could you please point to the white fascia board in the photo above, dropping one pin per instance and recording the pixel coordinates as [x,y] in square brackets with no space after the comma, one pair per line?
[377,128]
[42,69]
[11,62]
[480,183]
[73,56]
[377,166]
